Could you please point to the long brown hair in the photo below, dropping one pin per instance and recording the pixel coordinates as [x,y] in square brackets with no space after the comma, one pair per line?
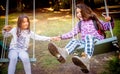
[19,23]
[88,14]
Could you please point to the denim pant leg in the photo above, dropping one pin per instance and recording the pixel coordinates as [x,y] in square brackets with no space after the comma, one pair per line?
[89,45]
[72,45]
[23,55]
[13,56]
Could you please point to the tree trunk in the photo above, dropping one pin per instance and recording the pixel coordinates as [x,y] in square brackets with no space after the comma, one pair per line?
[19,5]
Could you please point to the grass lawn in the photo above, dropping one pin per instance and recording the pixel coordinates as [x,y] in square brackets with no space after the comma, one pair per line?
[48,24]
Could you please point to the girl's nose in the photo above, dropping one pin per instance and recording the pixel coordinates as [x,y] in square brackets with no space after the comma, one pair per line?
[79,13]
[26,23]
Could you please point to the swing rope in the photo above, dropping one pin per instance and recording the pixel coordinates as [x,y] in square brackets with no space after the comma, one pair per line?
[107,13]
[73,15]
[7,7]
[115,43]
[4,38]
[34,28]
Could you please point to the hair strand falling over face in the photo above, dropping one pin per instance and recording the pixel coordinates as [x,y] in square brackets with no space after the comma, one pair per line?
[88,14]
[19,23]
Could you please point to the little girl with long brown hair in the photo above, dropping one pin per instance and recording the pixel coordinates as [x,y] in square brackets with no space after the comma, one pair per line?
[19,44]
[91,30]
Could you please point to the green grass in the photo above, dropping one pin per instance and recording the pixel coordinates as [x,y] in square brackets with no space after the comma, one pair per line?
[112,66]
[49,24]
[117,27]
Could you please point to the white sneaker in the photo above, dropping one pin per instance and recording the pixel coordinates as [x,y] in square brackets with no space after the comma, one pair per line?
[59,53]
[82,62]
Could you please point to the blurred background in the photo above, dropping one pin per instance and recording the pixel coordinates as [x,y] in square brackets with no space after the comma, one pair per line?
[53,18]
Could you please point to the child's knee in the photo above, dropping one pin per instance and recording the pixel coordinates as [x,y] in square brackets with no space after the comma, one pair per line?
[24,58]
[13,55]
[87,37]
[13,58]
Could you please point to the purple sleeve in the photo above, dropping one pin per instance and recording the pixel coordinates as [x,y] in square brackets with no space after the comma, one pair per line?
[106,25]
[72,33]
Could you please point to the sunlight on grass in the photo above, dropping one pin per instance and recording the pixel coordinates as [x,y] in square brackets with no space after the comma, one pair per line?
[48,62]
[14,20]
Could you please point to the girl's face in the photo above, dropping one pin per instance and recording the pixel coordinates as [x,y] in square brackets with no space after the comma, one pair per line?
[25,24]
[78,13]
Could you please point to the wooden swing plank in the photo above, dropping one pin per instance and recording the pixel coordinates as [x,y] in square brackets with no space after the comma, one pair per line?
[1,44]
[102,46]
[5,60]
[33,59]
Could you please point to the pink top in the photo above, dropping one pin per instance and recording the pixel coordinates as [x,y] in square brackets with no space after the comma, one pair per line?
[87,28]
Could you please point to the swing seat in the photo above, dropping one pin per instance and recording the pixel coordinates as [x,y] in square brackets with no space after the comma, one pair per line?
[3,60]
[103,46]
[1,44]
[33,59]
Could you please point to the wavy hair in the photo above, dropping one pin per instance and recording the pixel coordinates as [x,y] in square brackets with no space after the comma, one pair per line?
[88,14]
[19,23]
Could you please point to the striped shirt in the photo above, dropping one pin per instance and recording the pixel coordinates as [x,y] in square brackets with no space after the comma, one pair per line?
[22,42]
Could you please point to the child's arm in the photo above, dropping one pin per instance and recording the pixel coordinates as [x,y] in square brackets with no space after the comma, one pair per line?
[41,38]
[106,24]
[70,34]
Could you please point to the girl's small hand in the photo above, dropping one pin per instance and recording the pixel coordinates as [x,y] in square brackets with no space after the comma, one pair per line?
[7,28]
[57,38]
[107,18]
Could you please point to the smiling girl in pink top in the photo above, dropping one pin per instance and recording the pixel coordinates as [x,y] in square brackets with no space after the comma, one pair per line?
[91,29]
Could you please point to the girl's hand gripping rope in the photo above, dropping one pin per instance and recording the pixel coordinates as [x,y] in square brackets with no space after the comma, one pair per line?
[7,28]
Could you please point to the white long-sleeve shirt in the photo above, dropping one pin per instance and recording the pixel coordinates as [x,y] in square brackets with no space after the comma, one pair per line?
[22,42]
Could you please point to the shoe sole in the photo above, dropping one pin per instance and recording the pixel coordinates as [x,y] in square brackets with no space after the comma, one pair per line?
[54,51]
[85,70]
[79,63]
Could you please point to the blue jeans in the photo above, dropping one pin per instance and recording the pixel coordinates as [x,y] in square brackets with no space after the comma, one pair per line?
[88,43]
[13,56]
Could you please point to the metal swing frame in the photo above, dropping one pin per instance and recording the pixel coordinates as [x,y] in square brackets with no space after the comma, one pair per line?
[2,58]
[109,41]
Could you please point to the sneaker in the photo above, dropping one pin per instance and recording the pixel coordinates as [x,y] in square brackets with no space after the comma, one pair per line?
[59,53]
[82,62]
